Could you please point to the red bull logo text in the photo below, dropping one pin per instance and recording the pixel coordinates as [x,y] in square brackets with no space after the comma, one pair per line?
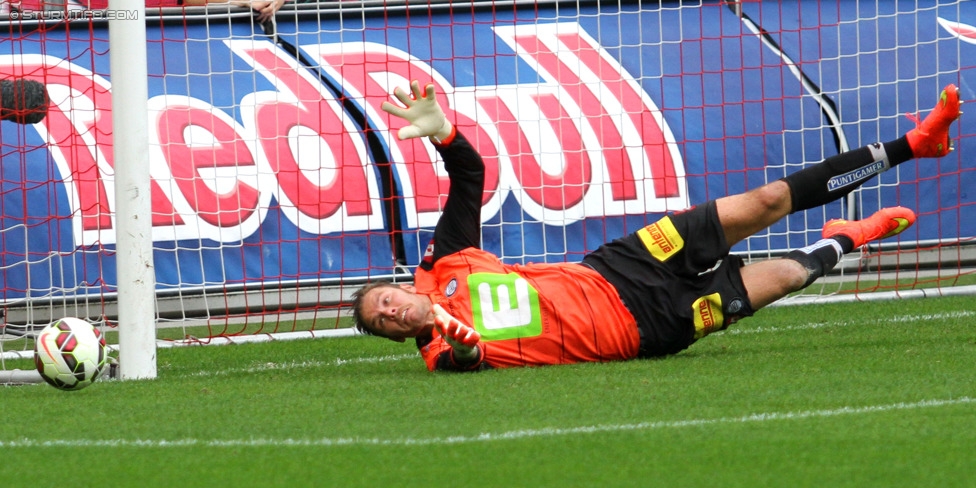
[586,141]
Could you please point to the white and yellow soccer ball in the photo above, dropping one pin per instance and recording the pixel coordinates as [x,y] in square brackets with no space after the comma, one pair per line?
[70,354]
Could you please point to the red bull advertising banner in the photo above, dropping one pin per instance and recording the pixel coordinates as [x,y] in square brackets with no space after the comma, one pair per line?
[271,160]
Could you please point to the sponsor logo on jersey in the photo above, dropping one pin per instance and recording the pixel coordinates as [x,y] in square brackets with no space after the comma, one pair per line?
[451,288]
[661,239]
[504,306]
[708,314]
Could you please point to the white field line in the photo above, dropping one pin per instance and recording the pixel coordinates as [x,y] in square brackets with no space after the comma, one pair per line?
[844,323]
[732,330]
[305,364]
[487,436]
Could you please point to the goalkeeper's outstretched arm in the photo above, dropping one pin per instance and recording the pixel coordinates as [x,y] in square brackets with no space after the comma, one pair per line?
[424,114]
[459,226]
[465,351]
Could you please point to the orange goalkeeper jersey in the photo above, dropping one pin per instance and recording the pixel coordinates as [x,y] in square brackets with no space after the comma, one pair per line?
[529,315]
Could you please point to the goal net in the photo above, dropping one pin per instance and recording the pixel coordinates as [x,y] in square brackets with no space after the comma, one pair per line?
[277,187]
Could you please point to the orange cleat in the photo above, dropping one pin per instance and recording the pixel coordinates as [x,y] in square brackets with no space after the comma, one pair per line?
[930,137]
[884,223]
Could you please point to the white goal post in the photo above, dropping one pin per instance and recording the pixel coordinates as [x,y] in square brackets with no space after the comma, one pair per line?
[134,248]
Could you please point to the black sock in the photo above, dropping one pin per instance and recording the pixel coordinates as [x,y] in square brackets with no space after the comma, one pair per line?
[838,175]
[820,257]
[846,244]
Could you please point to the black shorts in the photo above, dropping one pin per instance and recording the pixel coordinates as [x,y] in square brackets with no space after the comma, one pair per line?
[677,278]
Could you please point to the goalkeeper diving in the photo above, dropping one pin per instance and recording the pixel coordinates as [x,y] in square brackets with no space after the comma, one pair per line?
[652,293]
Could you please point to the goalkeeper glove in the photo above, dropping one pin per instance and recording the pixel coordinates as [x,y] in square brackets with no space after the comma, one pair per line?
[463,339]
[422,111]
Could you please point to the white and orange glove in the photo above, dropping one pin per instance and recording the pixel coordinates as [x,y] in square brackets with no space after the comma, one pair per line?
[462,338]
[422,111]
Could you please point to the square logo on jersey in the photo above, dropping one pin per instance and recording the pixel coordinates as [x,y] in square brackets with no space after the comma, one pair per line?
[504,306]
[708,314]
[661,239]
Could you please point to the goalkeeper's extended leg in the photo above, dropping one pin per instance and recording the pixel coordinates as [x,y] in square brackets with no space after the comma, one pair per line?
[745,214]
[768,281]
[930,139]
[838,175]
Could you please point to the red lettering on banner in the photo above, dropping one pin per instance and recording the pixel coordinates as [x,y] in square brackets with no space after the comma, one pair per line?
[359,71]
[552,191]
[620,123]
[68,131]
[275,122]
[622,179]
[655,144]
[226,209]
[79,129]
[590,119]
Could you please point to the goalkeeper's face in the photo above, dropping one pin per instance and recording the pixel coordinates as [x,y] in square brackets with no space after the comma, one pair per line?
[397,312]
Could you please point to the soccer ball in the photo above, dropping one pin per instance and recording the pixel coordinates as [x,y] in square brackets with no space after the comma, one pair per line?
[70,354]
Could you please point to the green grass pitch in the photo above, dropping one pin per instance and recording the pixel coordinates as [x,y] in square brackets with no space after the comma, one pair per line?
[861,394]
